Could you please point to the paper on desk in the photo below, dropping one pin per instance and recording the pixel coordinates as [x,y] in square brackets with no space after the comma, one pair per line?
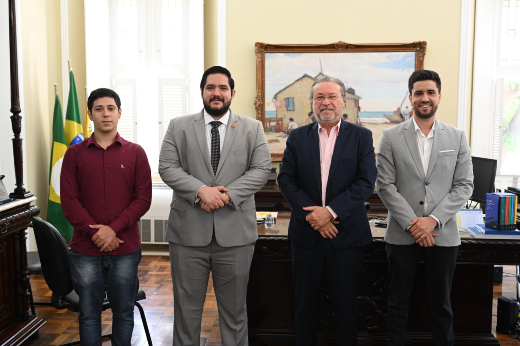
[465,233]
[274,214]
[467,218]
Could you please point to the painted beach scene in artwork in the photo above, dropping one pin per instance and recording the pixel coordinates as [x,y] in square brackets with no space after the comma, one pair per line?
[376,82]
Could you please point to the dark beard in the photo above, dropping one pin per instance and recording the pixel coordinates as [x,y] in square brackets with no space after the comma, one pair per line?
[216,112]
[427,115]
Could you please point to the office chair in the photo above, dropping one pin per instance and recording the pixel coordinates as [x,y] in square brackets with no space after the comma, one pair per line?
[34,267]
[54,257]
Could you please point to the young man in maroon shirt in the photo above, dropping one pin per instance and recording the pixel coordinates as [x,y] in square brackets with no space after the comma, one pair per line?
[106,188]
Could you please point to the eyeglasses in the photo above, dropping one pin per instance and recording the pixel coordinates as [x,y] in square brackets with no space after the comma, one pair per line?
[322,98]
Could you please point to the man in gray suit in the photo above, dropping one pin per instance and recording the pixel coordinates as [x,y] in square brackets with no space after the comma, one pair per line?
[425,176]
[214,161]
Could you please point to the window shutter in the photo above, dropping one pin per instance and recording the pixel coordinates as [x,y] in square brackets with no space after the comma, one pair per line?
[172,102]
[127,123]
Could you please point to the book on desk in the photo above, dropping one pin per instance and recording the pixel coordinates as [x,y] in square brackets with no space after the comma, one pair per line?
[501,209]
[483,232]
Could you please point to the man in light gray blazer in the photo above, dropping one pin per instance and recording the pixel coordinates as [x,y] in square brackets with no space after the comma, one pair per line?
[425,176]
[214,161]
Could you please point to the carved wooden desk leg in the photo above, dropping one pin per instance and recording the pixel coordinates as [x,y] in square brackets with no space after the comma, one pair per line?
[24,277]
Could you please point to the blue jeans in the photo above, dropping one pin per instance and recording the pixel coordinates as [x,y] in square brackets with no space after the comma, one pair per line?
[91,277]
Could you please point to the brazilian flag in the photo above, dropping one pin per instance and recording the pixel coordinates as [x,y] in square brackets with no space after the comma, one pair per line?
[73,128]
[59,147]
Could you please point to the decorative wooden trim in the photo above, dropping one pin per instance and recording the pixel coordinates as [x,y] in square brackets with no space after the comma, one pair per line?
[13,234]
[479,251]
[17,333]
[17,203]
[17,219]
[23,274]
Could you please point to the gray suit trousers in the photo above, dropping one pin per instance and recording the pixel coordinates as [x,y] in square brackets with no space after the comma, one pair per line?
[190,268]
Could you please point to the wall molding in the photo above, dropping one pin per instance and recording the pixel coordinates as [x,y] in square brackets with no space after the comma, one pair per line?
[221,33]
[463,65]
[64,18]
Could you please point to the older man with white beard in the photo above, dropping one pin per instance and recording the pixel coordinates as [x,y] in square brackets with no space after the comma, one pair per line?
[327,173]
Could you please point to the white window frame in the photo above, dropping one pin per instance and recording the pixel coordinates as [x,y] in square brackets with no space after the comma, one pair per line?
[103,72]
[488,88]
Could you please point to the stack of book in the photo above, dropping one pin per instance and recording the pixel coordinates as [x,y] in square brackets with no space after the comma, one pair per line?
[515,191]
[482,232]
[501,211]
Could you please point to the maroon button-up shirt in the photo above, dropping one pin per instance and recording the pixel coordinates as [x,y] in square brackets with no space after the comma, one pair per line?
[105,187]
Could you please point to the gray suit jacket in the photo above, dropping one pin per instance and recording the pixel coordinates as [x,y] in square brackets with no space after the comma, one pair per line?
[402,184]
[185,165]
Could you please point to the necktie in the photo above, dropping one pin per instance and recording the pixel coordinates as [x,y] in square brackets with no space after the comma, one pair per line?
[215,145]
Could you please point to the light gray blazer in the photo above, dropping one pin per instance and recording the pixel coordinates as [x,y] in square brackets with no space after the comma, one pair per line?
[402,184]
[185,165]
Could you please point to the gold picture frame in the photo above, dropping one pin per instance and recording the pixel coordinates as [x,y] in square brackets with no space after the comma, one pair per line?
[298,65]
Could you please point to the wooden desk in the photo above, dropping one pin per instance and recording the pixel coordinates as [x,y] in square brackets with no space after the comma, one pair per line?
[17,322]
[270,296]
[273,200]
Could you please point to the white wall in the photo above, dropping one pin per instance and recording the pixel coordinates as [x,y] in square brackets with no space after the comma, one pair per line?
[6,132]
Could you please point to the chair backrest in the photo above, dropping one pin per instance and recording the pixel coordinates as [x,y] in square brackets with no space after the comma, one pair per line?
[54,257]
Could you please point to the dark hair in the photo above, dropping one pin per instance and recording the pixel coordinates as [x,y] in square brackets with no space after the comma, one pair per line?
[421,75]
[345,115]
[214,70]
[102,92]
[310,113]
[291,119]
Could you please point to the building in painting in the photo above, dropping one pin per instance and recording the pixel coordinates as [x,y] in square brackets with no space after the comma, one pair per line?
[293,102]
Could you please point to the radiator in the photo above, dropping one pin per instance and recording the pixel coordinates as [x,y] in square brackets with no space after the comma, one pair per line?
[153,231]
[152,226]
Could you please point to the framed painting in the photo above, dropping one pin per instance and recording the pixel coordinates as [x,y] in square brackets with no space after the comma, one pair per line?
[376,77]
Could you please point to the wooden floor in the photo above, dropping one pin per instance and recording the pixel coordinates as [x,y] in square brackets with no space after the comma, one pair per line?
[155,280]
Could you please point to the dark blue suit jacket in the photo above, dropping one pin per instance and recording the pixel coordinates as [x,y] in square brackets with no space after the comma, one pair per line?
[351,181]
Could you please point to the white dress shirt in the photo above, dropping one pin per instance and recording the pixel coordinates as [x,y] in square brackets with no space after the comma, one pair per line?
[425,144]
[222,132]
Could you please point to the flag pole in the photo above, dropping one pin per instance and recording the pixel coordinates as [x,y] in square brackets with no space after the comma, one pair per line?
[73,128]
[55,89]
[86,120]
